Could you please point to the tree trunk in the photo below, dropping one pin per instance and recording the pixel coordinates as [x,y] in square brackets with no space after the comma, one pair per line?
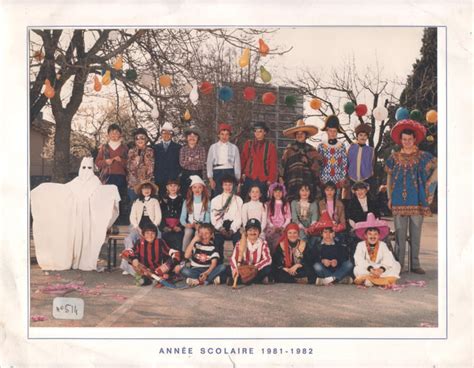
[62,145]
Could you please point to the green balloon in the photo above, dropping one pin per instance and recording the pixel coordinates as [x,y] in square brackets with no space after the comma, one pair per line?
[131,74]
[349,107]
[290,100]
[416,115]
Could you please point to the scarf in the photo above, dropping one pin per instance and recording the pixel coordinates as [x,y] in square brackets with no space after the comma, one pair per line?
[285,244]
[225,207]
[372,252]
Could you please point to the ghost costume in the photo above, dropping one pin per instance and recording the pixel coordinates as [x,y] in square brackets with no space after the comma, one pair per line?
[70,220]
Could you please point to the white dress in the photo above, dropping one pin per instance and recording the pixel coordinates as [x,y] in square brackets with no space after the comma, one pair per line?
[70,220]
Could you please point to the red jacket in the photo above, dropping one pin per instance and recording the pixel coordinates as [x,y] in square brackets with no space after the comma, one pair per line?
[258,165]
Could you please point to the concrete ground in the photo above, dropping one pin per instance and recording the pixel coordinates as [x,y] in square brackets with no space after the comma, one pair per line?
[113,300]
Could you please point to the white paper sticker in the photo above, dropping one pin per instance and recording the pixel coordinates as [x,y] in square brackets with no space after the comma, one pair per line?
[68,308]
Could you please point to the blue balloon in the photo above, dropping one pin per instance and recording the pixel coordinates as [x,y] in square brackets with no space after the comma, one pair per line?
[225,93]
[401,114]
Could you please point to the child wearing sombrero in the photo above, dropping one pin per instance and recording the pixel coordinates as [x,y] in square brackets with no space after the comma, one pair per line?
[374,263]
[145,210]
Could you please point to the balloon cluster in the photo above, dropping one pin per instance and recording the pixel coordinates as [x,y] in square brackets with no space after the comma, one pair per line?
[402,113]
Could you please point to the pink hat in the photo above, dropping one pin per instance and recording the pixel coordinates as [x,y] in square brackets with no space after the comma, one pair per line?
[274,186]
[362,226]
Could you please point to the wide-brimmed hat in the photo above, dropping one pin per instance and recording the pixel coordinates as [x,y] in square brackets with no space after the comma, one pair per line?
[371,222]
[332,121]
[419,129]
[363,128]
[141,131]
[192,130]
[138,187]
[323,223]
[301,126]
[196,179]
[261,125]
[360,185]
[275,186]
[168,127]
[253,223]
[224,126]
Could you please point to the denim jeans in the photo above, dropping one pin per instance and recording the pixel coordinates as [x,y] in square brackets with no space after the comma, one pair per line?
[194,272]
[413,224]
[339,272]
[219,243]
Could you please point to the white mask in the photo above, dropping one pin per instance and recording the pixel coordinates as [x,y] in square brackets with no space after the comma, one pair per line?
[86,170]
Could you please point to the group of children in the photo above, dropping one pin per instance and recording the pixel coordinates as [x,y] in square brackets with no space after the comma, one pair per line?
[304,241]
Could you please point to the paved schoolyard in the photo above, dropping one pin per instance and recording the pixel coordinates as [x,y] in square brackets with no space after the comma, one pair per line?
[113,300]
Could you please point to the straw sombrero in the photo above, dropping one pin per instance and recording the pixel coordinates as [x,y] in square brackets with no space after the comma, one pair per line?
[301,126]
[138,187]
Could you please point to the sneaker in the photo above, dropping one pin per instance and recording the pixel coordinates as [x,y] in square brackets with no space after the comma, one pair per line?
[265,280]
[368,283]
[192,282]
[346,280]
[319,282]
[217,280]
[125,273]
[418,271]
[328,280]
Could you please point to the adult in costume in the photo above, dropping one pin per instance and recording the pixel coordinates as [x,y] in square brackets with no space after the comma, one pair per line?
[360,157]
[374,263]
[70,220]
[259,161]
[166,158]
[192,159]
[300,161]
[411,182]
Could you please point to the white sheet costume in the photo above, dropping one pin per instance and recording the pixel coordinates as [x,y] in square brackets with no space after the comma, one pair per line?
[384,258]
[70,220]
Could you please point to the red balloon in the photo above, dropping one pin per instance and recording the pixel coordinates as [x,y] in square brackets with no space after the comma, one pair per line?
[268,98]
[361,110]
[250,93]
[206,88]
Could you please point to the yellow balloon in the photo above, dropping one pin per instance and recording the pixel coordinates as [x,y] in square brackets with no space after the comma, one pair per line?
[432,116]
[245,58]
[430,138]
[265,75]
[315,104]
[165,81]
[187,115]
[106,78]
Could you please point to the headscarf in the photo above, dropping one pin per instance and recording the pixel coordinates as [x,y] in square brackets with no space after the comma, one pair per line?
[286,243]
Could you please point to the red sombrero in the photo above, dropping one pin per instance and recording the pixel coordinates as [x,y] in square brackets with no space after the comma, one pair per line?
[419,129]
[323,223]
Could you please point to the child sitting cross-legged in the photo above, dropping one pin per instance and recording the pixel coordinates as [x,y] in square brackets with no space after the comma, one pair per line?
[204,259]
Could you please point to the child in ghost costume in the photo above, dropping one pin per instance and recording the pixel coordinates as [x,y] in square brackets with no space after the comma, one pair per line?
[70,220]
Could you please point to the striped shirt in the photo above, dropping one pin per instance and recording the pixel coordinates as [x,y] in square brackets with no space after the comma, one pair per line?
[257,254]
[152,255]
[203,254]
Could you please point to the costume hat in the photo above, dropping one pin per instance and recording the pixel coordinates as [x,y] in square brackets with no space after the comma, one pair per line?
[361,227]
[154,187]
[140,131]
[253,223]
[332,121]
[261,125]
[363,128]
[168,127]
[276,186]
[196,179]
[301,126]
[224,126]
[419,129]
[192,129]
[323,223]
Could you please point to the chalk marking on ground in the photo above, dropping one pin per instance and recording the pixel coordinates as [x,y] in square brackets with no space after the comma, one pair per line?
[124,308]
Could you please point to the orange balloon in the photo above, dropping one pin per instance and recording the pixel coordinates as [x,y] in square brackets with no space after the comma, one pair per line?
[315,104]
[432,116]
[165,80]
[263,47]
[48,90]
[97,84]
[118,63]
[187,115]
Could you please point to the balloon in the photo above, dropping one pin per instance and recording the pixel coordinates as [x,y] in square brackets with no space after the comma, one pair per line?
[430,138]
[290,100]
[165,80]
[226,93]
[315,104]
[118,64]
[361,110]
[432,116]
[380,113]
[263,48]
[245,58]
[268,98]
[97,84]
[187,115]
[154,112]
[48,89]
[188,88]
[146,79]
[265,75]
[415,115]
[250,93]
[349,107]
[131,74]
[106,78]
[401,114]
[38,55]
[114,35]
[206,87]
[194,95]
